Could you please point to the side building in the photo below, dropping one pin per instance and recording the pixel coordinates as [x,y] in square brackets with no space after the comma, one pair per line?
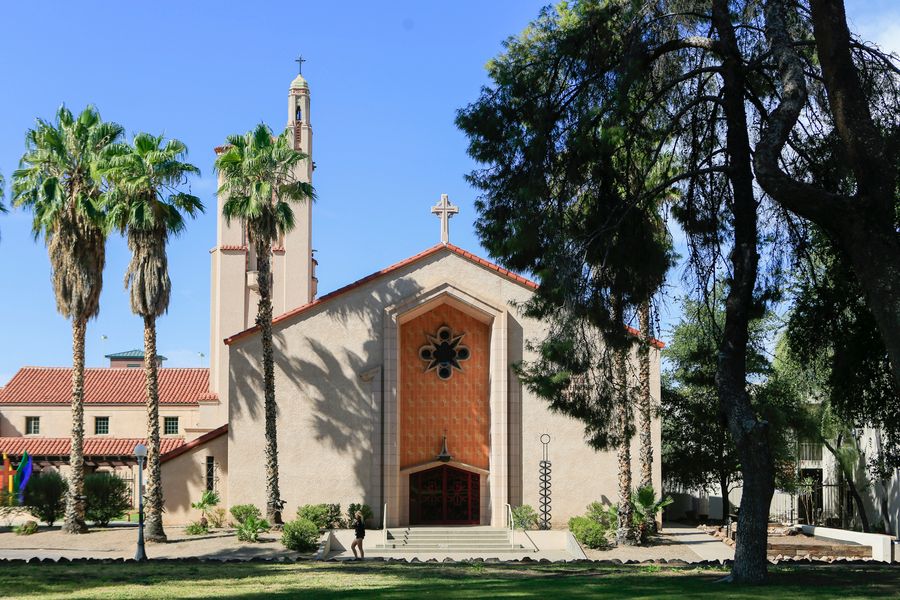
[36,416]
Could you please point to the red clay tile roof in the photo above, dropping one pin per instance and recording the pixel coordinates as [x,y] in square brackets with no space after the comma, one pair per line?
[209,435]
[368,278]
[52,385]
[93,446]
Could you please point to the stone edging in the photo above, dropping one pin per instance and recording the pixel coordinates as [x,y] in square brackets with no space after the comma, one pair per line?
[526,560]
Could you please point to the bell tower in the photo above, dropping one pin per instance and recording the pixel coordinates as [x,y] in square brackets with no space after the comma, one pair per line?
[233,290]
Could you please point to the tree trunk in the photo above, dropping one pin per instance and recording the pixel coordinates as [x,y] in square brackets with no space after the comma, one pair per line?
[726,504]
[749,434]
[625,533]
[645,407]
[154,507]
[74,522]
[874,252]
[264,321]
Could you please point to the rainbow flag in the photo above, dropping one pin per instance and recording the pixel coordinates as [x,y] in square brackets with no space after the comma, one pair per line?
[23,473]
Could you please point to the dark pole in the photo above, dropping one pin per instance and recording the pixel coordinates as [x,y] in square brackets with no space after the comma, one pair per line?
[140,555]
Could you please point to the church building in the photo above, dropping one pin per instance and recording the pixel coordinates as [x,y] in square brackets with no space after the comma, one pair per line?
[397,390]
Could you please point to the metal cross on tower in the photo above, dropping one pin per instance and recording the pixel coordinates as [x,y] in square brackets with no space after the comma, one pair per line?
[300,60]
[444,210]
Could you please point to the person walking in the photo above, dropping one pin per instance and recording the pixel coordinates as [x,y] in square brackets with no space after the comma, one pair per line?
[360,526]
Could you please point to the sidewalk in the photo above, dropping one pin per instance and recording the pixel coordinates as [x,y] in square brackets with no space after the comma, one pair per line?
[704,545]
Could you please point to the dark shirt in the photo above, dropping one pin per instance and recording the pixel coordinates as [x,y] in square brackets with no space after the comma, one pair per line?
[360,527]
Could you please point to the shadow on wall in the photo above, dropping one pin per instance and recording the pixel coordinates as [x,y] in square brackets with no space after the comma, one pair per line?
[515,345]
[7,429]
[179,476]
[880,497]
[343,413]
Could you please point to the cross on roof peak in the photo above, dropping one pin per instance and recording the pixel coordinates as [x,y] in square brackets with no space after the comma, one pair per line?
[444,210]
[300,60]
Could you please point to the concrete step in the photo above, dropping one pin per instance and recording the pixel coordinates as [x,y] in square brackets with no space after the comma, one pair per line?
[462,550]
[477,540]
[458,536]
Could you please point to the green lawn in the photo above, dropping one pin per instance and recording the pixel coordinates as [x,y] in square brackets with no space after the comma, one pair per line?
[378,580]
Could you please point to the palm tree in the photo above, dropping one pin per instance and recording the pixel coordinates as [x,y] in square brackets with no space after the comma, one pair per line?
[2,182]
[644,398]
[622,413]
[144,203]
[259,184]
[56,180]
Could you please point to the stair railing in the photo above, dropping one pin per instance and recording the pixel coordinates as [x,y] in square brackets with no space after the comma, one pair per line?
[384,531]
[510,525]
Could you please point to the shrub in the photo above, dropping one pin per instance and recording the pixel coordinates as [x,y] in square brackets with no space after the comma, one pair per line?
[242,512]
[196,528]
[365,509]
[249,530]
[301,535]
[45,496]
[107,498]
[26,528]
[208,500]
[589,532]
[606,515]
[216,517]
[325,516]
[525,517]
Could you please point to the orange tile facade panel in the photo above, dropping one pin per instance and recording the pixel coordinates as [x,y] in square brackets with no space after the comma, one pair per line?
[458,407]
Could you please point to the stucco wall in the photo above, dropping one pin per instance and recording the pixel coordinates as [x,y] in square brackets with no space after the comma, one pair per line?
[124,420]
[184,480]
[330,415]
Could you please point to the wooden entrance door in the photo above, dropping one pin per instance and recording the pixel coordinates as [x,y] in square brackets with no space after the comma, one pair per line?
[444,496]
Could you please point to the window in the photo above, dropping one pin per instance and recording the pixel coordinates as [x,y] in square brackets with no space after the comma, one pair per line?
[170,425]
[101,425]
[210,474]
[32,425]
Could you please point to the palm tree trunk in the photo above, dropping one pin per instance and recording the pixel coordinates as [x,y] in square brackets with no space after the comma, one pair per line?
[644,406]
[625,522]
[75,500]
[154,507]
[264,321]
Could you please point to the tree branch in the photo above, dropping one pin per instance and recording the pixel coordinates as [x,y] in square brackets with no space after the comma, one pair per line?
[802,198]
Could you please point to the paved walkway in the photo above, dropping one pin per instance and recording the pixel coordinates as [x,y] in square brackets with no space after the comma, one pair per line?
[704,545]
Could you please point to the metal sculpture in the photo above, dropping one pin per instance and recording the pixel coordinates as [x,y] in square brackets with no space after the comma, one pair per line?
[544,479]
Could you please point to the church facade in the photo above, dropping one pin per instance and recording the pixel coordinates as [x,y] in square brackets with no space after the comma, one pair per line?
[397,390]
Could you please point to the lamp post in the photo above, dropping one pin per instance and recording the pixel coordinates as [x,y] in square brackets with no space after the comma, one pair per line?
[140,451]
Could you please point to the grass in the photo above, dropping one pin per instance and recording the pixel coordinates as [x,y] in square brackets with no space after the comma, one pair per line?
[380,580]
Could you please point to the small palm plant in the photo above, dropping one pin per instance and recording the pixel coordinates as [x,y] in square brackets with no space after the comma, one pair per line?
[646,507]
[57,180]
[144,201]
[207,503]
[259,184]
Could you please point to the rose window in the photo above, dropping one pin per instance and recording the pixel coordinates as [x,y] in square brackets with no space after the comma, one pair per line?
[443,352]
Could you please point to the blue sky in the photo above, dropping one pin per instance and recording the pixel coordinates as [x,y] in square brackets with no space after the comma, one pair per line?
[386,79]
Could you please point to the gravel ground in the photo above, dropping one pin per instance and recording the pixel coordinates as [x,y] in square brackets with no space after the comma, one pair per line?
[662,547]
[117,542]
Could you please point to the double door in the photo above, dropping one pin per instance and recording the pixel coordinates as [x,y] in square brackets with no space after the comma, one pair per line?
[444,495]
